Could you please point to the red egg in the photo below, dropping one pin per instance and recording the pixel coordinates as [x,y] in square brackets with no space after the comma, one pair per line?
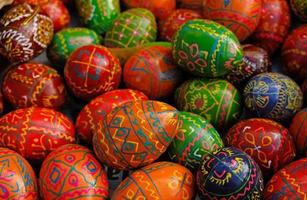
[298,129]
[35,132]
[267,142]
[33,84]
[72,172]
[92,70]
[98,108]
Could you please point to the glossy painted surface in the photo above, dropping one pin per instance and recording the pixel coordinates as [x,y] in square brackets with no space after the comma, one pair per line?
[205,48]
[153,72]
[33,84]
[229,174]
[135,134]
[91,71]
[72,172]
[273,95]
[298,129]
[299,7]
[267,142]
[35,132]
[161,180]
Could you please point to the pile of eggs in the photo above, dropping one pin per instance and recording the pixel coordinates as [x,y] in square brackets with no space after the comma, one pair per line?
[155,99]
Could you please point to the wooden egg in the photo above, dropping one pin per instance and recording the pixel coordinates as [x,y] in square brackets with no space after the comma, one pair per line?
[169,26]
[132,28]
[33,84]
[195,139]
[229,174]
[135,134]
[35,132]
[153,72]
[294,53]
[241,17]
[299,7]
[274,96]
[98,108]
[91,71]
[72,172]
[17,178]
[267,142]
[161,180]
[24,33]
[298,129]
[288,183]
[205,48]
[68,40]
[98,15]
[218,101]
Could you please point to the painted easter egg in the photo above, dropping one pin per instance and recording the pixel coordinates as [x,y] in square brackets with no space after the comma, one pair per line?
[169,26]
[294,53]
[195,5]
[17,178]
[218,101]
[298,129]
[70,172]
[267,142]
[273,95]
[33,84]
[152,71]
[229,174]
[273,26]
[98,108]
[288,183]
[98,15]
[135,134]
[161,180]
[299,7]
[35,132]
[195,139]
[68,40]
[91,71]
[256,61]
[241,17]
[205,48]
[24,33]
[132,28]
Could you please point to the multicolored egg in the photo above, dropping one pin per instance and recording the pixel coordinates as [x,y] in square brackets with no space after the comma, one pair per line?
[195,139]
[161,180]
[132,28]
[153,72]
[98,15]
[17,178]
[91,71]
[273,95]
[33,84]
[71,172]
[35,132]
[98,108]
[288,183]
[298,129]
[205,48]
[273,26]
[218,101]
[195,5]
[229,174]
[299,7]
[294,53]
[241,17]
[135,134]
[68,40]
[267,142]
[24,33]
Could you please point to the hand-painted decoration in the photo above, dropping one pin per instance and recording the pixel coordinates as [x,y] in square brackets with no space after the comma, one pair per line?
[230,174]
[135,134]
[298,129]
[91,71]
[300,9]
[35,132]
[205,48]
[161,180]
[70,172]
[273,95]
